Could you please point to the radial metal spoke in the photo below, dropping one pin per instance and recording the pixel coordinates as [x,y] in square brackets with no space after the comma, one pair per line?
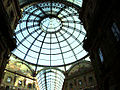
[70,47]
[40,52]
[40,9]
[73,36]
[26,37]
[61,10]
[51,6]
[25,28]
[32,45]
[61,51]
[74,28]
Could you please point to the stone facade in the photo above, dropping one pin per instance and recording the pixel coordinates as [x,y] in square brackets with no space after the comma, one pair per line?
[18,75]
[80,77]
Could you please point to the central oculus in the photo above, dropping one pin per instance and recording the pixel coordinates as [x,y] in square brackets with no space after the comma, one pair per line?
[51,24]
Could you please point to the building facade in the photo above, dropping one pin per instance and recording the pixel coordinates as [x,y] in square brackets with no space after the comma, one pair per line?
[101,20]
[80,77]
[9,16]
[18,76]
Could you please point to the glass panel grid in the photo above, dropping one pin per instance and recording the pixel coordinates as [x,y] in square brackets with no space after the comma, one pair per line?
[50,34]
[50,79]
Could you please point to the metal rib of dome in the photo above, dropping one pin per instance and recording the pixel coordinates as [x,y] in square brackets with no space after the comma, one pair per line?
[50,34]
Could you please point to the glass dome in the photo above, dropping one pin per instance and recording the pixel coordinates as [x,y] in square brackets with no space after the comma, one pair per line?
[50,34]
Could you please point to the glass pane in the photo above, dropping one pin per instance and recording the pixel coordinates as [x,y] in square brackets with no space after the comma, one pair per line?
[53,39]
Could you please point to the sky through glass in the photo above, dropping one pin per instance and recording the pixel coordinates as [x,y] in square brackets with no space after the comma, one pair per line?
[50,79]
[50,34]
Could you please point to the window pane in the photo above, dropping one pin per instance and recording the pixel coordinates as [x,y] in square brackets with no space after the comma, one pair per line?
[101,55]
[116,32]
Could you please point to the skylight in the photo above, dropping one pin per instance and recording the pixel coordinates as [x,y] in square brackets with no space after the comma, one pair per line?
[50,79]
[50,34]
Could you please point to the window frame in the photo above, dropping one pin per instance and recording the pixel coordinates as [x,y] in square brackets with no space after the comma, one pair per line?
[115,31]
[9,77]
[101,55]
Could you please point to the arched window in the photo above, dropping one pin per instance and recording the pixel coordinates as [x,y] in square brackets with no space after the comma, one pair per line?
[9,79]
[80,82]
[101,55]
[116,31]
[29,85]
[20,82]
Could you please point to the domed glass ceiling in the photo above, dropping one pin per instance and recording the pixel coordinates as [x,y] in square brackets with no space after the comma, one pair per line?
[50,34]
